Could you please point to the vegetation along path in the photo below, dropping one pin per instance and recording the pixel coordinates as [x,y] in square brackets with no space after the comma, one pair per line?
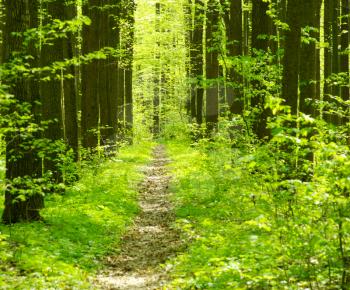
[151,240]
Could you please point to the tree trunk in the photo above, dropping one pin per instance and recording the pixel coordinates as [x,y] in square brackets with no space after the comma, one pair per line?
[335,43]
[292,55]
[59,92]
[157,77]
[261,30]
[344,58]
[21,162]
[212,66]
[261,25]
[308,57]
[129,71]
[197,62]
[90,104]
[109,84]
[234,33]
[328,15]
[71,90]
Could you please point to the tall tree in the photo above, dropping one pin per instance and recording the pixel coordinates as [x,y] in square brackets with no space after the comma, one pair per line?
[129,16]
[291,61]
[70,86]
[344,41]
[196,57]
[261,31]
[308,55]
[58,90]
[90,104]
[234,33]
[212,65]
[157,74]
[328,16]
[22,203]
[261,25]
[335,43]
[108,72]
[100,78]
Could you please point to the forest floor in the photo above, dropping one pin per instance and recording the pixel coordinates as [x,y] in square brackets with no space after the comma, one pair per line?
[152,239]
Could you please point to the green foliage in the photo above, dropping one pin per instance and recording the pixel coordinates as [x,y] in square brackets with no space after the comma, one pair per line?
[80,228]
[262,216]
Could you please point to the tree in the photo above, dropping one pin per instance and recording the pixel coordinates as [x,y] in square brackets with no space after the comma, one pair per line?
[90,104]
[308,55]
[109,82]
[344,42]
[328,15]
[129,20]
[261,31]
[101,79]
[58,88]
[212,65]
[157,74]
[196,61]
[290,83]
[234,34]
[23,165]
[261,25]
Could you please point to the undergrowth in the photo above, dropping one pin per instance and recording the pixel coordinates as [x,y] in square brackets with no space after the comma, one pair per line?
[79,229]
[248,226]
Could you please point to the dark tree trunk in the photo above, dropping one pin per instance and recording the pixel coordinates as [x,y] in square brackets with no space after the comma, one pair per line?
[308,58]
[71,90]
[328,15]
[21,162]
[109,75]
[261,31]
[234,32]
[90,103]
[246,31]
[212,66]
[197,62]
[335,43]
[59,93]
[318,53]
[292,55]
[129,71]
[261,25]
[344,58]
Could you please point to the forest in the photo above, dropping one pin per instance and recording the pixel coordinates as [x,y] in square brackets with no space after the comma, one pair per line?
[174,144]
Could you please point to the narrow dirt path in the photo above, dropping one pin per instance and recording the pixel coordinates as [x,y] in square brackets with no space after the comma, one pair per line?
[151,240]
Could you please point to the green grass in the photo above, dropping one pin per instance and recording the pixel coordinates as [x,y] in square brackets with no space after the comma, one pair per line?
[81,227]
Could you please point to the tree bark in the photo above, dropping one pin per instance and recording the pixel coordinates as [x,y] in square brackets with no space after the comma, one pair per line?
[328,15]
[90,104]
[344,58]
[212,66]
[197,62]
[59,92]
[292,55]
[22,160]
[261,25]
[261,31]
[308,57]
[234,33]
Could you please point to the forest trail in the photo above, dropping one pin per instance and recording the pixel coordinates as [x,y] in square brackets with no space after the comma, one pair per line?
[151,240]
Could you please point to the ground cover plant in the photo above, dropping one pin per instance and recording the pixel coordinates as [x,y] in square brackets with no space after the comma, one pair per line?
[80,227]
[247,227]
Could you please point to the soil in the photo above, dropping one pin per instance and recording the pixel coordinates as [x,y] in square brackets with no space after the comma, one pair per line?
[152,239]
